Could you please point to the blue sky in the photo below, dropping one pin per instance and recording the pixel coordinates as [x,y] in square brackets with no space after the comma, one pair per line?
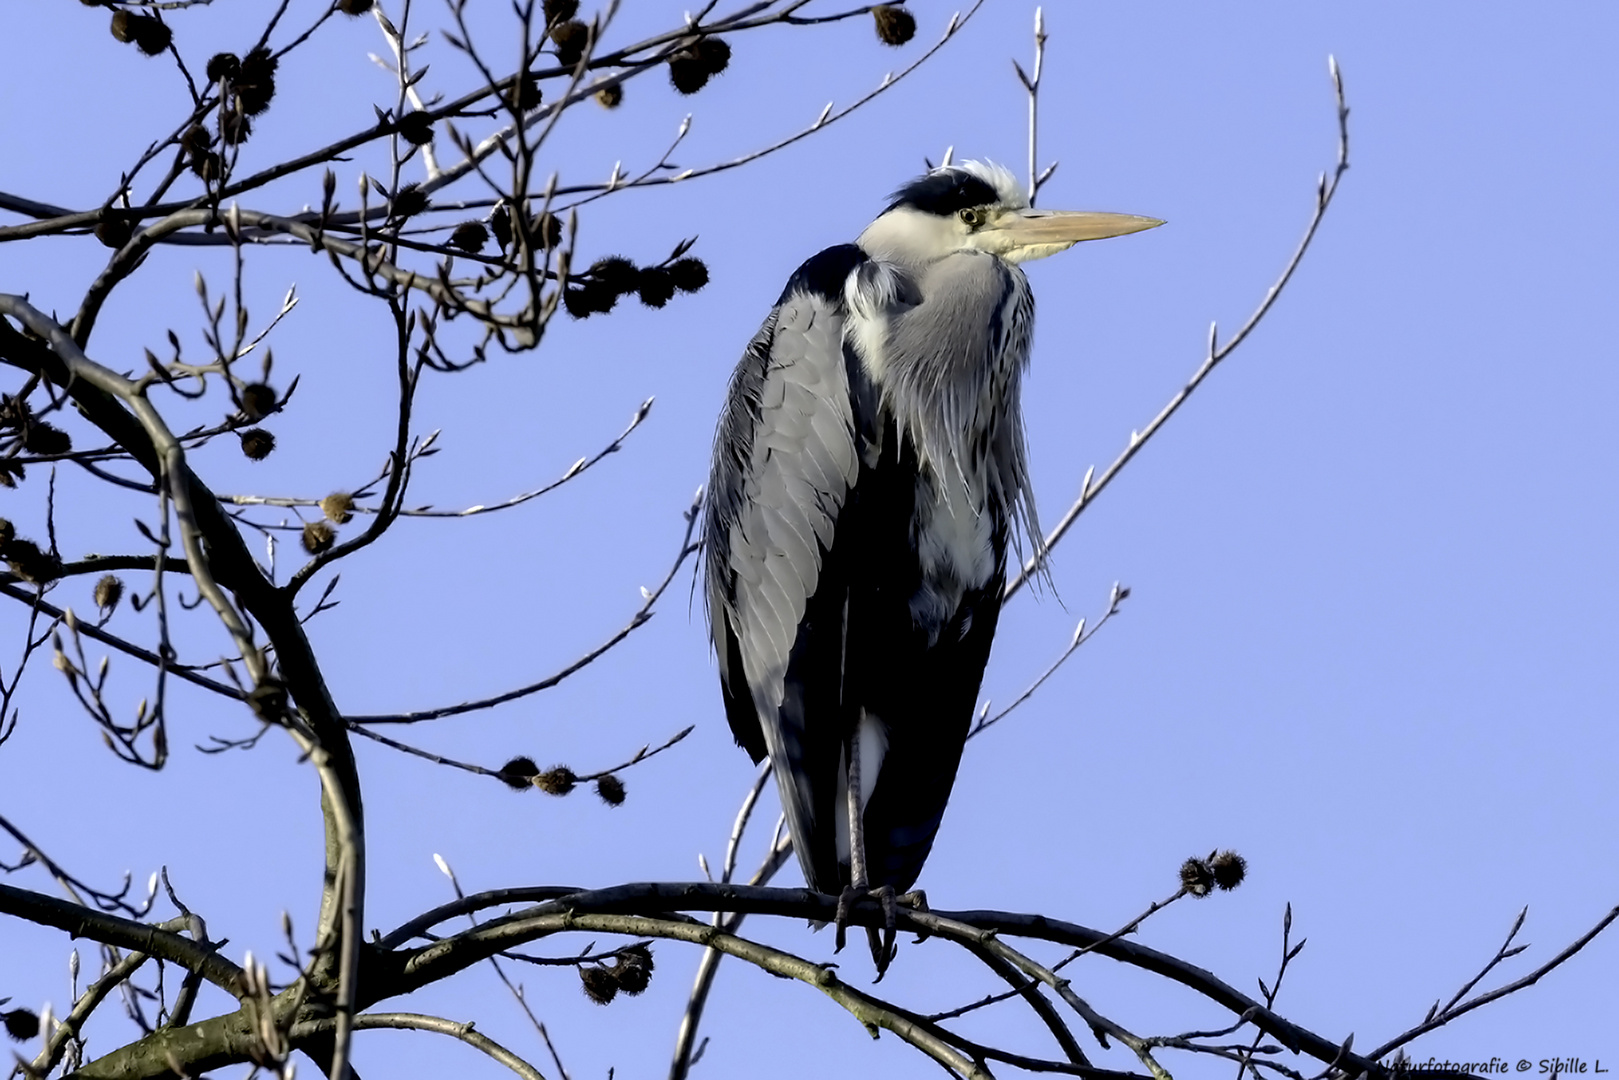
[1370,641]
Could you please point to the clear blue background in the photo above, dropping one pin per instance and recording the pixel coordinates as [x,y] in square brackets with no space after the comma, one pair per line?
[1370,643]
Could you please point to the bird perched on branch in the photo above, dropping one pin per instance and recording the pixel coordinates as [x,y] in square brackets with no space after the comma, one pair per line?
[869,476]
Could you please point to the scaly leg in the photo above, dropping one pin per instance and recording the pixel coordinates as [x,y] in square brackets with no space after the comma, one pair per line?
[882,949]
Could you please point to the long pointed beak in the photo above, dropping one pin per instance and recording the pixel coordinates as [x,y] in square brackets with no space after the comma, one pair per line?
[1034,234]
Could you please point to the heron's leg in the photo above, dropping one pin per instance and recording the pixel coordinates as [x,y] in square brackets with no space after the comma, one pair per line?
[858,880]
[882,949]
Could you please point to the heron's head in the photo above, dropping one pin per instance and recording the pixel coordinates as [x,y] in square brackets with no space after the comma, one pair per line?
[979,206]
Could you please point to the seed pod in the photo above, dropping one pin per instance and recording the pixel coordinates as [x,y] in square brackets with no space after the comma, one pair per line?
[1197,876]
[234,127]
[557,780]
[634,969]
[895,25]
[615,272]
[525,92]
[114,232]
[354,7]
[224,66]
[8,533]
[589,299]
[687,73]
[257,443]
[318,537]
[469,236]
[610,789]
[560,11]
[610,96]
[546,228]
[258,400]
[255,82]
[599,983]
[416,128]
[689,275]
[714,53]
[208,166]
[570,39]
[31,564]
[519,773]
[338,507]
[109,590]
[409,201]
[41,438]
[1229,870]
[500,224]
[21,1024]
[655,287]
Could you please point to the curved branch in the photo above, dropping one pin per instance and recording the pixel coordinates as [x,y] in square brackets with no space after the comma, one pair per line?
[1325,189]
[419,1022]
[81,921]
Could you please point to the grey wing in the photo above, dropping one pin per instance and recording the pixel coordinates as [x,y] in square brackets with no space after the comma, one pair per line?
[784,461]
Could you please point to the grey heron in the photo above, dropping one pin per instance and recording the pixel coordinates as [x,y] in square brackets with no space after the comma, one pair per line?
[869,475]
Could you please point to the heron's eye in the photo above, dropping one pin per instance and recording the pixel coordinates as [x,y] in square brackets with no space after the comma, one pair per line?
[972,218]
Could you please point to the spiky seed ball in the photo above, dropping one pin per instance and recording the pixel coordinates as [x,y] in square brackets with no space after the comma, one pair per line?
[32,564]
[255,82]
[10,473]
[39,438]
[338,507]
[318,537]
[895,25]
[153,37]
[21,1024]
[547,229]
[634,969]
[589,299]
[687,73]
[714,53]
[258,400]
[557,780]
[235,127]
[525,92]
[519,773]
[500,224]
[599,983]
[196,140]
[570,39]
[559,11]
[611,790]
[610,96]
[655,287]
[689,275]
[224,66]
[114,232]
[1197,876]
[150,35]
[109,590]
[469,236]
[354,7]
[257,443]
[208,166]
[1229,870]
[615,272]
[416,128]
[8,533]
[409,201]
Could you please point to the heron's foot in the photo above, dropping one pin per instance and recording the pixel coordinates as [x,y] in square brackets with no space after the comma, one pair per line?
[847,899]
[916,900]
[882,948]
